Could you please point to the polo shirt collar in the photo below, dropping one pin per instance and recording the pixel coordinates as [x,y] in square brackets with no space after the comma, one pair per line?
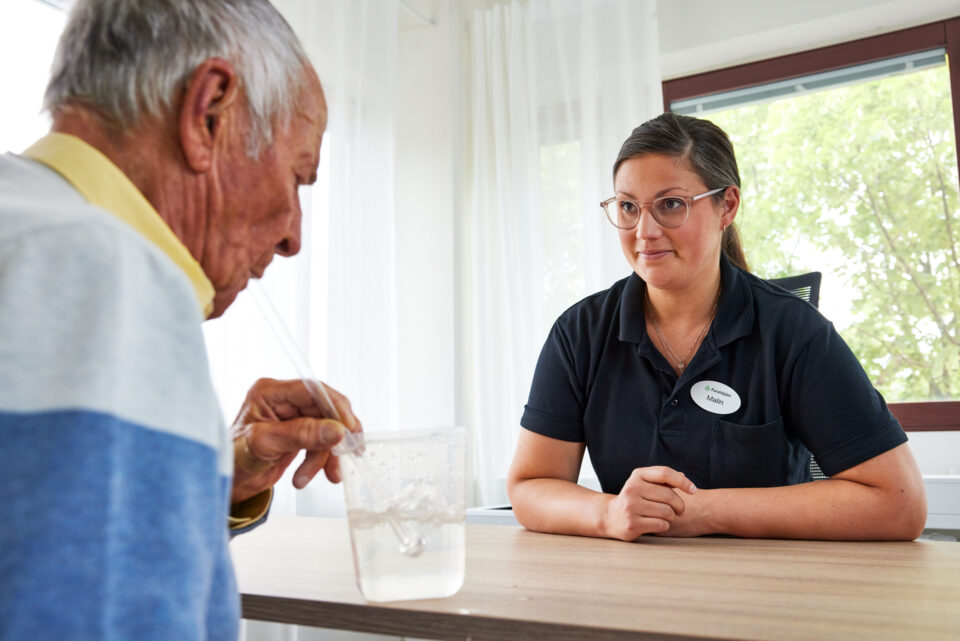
[735,316]
[633,322]
[103,184]
[734,312]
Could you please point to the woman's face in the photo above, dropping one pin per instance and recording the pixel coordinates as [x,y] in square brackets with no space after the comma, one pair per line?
[672,258]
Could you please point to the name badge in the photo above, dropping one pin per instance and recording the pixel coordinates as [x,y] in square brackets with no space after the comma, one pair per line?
[715,397]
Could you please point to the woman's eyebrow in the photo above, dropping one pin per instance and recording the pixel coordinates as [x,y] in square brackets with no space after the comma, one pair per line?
[659,193]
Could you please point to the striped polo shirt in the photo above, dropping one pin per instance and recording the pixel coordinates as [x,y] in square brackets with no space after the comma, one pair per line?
[115,463]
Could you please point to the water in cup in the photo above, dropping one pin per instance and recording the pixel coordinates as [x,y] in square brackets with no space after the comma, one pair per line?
[385,573]
[420,486]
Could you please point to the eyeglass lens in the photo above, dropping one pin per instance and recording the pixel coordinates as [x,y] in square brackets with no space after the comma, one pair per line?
[669,211]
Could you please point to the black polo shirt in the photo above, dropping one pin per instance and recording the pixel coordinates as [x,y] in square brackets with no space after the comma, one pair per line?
[771,383]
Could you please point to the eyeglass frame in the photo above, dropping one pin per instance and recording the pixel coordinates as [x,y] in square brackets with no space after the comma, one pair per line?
[688,200]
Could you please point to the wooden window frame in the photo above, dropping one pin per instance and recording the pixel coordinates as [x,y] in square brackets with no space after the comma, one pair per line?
[914,417]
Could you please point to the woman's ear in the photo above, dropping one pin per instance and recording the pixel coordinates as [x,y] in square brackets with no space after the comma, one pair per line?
[210,94]
[731,205]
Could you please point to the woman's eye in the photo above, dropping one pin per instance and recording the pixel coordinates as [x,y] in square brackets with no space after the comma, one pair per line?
[671,204]
[628,206]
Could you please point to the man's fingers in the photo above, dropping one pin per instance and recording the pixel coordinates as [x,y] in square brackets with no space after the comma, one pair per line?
[320,396]
[666,476]
[312,463]
[246,460]
[277,421]
[332,469]
[270,440]
[344,409]
[286,411]
[286,399]
[292,398]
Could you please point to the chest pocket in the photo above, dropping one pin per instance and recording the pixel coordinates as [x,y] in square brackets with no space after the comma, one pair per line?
[749,455]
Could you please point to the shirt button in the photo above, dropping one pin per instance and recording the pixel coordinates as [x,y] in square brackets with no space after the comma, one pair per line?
[674,403]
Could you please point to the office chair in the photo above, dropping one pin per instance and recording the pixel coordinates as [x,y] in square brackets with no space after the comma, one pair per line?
[807,287]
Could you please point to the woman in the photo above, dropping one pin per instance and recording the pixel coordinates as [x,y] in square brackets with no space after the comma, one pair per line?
[699,389]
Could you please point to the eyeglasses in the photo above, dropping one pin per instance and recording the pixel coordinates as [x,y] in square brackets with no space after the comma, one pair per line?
[669,211]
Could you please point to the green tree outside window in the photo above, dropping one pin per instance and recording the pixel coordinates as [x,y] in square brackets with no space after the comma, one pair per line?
[860,182]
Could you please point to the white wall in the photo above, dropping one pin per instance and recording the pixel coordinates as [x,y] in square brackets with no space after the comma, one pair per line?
[431,118]
[695,35]
[700,35]
[428,116]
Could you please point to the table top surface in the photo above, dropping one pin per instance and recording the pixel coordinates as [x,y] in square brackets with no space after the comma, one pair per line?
[522,584]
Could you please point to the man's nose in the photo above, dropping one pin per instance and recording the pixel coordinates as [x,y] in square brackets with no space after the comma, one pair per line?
[289,245]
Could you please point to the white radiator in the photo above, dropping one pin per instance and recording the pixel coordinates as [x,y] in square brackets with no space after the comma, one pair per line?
[943,501]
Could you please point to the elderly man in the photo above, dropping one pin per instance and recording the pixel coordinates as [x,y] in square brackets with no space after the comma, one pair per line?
[182,130]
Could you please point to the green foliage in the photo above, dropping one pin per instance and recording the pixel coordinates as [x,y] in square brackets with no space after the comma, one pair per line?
[861,183]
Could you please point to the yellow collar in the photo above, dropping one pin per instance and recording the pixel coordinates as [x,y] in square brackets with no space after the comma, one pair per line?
[102,183]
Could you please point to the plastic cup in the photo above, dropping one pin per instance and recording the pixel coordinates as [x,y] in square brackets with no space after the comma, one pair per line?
[416,478]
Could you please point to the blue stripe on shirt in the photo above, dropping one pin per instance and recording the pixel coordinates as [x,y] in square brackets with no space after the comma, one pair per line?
[112,531]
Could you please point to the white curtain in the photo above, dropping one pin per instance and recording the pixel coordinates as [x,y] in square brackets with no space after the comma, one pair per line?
[339,294]
[555,88]
[29,32]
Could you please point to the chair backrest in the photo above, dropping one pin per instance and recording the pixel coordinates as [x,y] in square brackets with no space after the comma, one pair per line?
[807,287]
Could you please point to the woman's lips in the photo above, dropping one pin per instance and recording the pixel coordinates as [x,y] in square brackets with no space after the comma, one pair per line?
[653,254]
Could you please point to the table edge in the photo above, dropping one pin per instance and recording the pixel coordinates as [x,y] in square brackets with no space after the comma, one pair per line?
[443,626]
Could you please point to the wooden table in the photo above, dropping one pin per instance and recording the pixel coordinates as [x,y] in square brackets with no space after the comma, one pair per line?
[523,585]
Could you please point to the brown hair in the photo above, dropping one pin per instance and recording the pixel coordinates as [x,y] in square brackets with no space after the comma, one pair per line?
[708,151]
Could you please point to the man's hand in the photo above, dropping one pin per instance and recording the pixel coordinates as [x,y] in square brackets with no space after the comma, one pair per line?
[277,420]
[649,502]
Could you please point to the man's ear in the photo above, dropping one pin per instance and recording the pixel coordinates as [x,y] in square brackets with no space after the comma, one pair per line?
[212,90]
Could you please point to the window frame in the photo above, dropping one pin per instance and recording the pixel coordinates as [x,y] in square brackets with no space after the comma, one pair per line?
[915,416]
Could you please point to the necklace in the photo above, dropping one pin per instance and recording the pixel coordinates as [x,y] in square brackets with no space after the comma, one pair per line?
[683,362]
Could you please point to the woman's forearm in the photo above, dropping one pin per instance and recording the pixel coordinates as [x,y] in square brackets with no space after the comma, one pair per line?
[832,509]
[649,501]
[558,506]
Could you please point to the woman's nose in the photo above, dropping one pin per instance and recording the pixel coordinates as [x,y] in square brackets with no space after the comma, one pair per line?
[647,226]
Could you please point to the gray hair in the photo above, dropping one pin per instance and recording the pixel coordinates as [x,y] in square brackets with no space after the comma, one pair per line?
[129,58]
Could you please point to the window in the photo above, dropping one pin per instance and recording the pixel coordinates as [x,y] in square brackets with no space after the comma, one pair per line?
[848,157]
[560,198]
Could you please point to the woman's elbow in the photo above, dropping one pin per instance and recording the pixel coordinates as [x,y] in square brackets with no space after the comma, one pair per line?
[909,512]
[918,515]
[517,491]
[516,495]
[514,480]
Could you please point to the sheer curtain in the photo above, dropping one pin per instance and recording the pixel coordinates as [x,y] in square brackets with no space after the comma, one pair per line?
[339,294]
[29,32]
[555,88]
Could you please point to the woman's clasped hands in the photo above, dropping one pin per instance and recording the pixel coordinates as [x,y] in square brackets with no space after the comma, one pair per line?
[654,500]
